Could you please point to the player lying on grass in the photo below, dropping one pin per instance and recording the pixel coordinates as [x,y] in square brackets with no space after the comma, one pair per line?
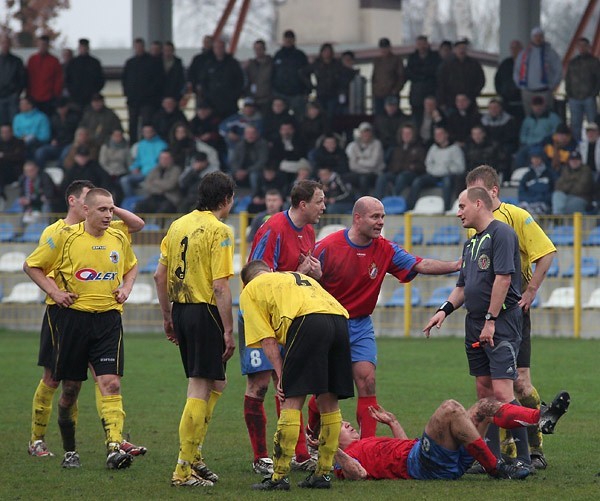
[451,441]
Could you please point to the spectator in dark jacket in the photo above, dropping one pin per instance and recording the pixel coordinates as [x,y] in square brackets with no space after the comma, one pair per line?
[289,150]
[459,75]
[100,120]
[83,75]
[330,154]
[338,195]
[313,125]
[62,125]
[190,178]
[85,167]
[505,84]
[143,82]
[12,157]
[287,83]
[388,75]
[174,73]
[537,185]
[197,67]
[503,129]
[387,124]
[421,70]
[406,162]
[223,81]
[13,79]
[480,150]
[272,120]
[36,190]
[582,84]
[432,118]
[205,127]
[574,189]
[259,73]
[249,158]
[182,144]
[168,115]
[271,179]
[464,117]
[327,71]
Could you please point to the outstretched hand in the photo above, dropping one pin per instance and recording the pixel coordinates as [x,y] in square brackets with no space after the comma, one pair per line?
[381,415]
[436,321]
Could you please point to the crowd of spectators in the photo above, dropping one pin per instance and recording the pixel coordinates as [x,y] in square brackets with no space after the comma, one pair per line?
[279,118]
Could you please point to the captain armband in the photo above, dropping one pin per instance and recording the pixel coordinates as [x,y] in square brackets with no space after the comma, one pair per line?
[447,307]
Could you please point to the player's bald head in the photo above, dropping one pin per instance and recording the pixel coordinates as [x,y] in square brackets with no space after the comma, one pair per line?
[92,197]
[366,204]
[253,269]
[478,193]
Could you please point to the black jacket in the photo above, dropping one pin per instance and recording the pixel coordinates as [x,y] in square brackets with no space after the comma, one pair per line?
[143,80]
[83,78]
[422,73]
[174,80]
[13,77]
[287,63]
[222,84]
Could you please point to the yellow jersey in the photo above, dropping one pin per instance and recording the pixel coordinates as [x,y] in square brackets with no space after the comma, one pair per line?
[271,302]
[88,266]
[197,250]
[533,242]
[60,224]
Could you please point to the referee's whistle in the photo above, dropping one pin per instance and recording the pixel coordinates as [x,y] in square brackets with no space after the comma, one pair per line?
[476,344]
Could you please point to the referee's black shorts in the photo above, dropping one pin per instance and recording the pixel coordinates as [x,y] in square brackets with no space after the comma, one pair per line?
[317,357]
[83,337]
[45,356]
[199,331]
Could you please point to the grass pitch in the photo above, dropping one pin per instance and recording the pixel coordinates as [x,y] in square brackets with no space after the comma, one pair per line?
[414,376]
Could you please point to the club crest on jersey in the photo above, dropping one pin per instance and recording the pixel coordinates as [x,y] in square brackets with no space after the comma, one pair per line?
[114,257]
[483,262]
[89,274]
[373,271]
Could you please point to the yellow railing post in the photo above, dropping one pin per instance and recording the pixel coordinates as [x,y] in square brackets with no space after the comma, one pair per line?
[577,242]
[407,288]
[243,243]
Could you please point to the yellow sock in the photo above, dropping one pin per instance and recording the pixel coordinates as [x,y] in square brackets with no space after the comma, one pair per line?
[534,435]
[331,424]
[192,420]
[113,417]
[41,410]
[98,400]
[284,443]
[210,408]
[507,443]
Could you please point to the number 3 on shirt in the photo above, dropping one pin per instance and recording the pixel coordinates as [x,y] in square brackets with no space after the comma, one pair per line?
[300,280]
[180,270]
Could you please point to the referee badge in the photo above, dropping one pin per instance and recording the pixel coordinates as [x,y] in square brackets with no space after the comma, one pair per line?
[483,262]
[114,257]
[373,271]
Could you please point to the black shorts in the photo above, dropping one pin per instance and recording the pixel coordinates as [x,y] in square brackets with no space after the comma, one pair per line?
[317,357]
[524,358]
[499,361]
[83,337]
[199,331]
[45,356]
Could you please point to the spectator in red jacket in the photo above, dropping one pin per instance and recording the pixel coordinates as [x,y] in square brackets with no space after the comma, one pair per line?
[45,77]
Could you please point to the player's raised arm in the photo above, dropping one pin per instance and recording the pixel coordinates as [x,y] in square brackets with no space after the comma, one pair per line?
[133,222]
[436,267]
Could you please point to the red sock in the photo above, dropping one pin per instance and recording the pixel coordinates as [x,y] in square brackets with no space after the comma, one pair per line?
[367,424]
[256,422]
[483,454]
[301,450]
[314,416]
[514,416]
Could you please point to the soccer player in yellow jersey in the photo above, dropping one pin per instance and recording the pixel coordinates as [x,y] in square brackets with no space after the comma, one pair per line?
[534,247]
[44,393]
[293,310]
[192,284]
[94,270]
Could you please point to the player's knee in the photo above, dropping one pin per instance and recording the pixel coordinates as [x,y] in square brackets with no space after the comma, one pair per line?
[111,386]
[68,397]
[257,387]
[366,384]
[452,407]
[523,388]
[49,381]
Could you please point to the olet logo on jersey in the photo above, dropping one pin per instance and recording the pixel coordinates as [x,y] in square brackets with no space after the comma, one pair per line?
[373,271]
[88,274]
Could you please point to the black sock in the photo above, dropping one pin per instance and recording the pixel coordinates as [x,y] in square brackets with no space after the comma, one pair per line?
[67,428]
[492,439]
[521,441]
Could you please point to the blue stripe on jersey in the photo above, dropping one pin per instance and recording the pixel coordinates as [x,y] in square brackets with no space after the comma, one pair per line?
[276,253]
[404,261]
[259,250]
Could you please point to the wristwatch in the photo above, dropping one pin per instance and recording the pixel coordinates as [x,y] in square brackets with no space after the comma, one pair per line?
[489,316]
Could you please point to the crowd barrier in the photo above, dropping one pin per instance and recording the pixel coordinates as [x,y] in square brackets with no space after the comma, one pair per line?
[567,305]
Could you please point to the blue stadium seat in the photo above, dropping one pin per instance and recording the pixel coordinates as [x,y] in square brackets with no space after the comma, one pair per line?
[15,207]
[151,227]
[536,301]
[589,268]
[394,205]
[594,237]
[150,266]
[445,235]
[241,204]
[553,270]
[417,236]
[33,232]
[562,235]
[129,203]
[397,298]
[7,232]
[438,296]
[510,200]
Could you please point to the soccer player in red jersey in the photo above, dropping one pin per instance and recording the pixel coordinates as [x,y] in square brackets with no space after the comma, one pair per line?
[285,242]
[453,437]
[354,263]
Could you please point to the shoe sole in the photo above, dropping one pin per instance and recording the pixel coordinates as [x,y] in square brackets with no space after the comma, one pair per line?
[557,409]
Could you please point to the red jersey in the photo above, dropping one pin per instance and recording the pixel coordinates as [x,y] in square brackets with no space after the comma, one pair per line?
[382,457]
[45,77]
[279,242]
[353,274]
